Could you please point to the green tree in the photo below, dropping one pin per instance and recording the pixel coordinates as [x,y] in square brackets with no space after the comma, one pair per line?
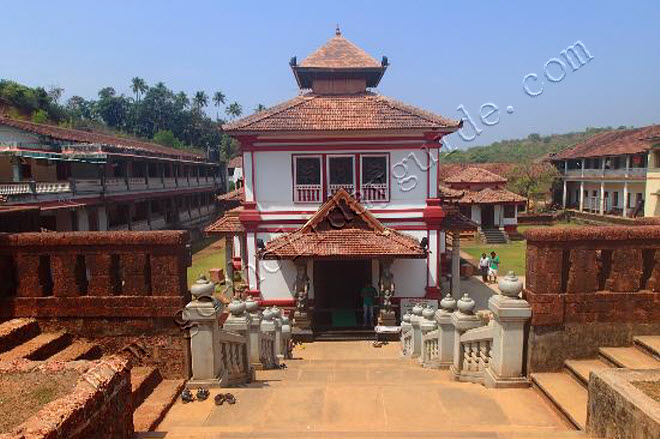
[40,116]
[234,110]
[259,108]
[139,87]
[200,100]
[167,138]
[533,180]
[218,99]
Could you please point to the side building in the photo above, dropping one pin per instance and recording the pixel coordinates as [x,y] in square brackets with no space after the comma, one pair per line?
[88,181]
[613,173]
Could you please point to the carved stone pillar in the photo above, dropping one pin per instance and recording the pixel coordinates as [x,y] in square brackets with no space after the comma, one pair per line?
[445,331]
[415,322]
[387,289]
[462,320]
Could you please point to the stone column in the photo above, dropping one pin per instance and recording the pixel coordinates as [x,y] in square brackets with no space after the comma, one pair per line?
[602,198]
[625,198]
[406,326]
[268,328]
[238,321]
[445,331]
[510,314]
[83,219]
[277,319]
[286,337]
[415,321]
[252,308]
[564,193]
[456,263]
[581,195]
[462,320]
[207,366]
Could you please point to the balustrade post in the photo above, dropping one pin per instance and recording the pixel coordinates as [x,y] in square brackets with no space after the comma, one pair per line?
[238,321]
[445,331]
[415,322]
[277,319]
[268,354]
[510,313]
[286,337]
[406,328]
[462,320]
[426,325]
[254,333]
[207,356]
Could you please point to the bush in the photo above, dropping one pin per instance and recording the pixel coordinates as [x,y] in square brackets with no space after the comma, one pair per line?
[167,138]
[40,116]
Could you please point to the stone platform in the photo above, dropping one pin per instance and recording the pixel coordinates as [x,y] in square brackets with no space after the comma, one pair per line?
[351,389]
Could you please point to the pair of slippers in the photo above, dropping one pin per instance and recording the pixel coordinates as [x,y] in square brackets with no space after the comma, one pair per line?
[221,398]
[187,396]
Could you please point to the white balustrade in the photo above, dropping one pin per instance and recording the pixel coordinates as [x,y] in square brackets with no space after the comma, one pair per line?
[56,187]
[637,172]
[406,336]
[87,185]
[140,225]
[21,188]
[169,182]
[333,188]
[307,193]
[115,185]
[374,192]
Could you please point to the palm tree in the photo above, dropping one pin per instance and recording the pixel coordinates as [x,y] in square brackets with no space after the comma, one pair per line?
[182,99]
[219,99]
[260,108]
[234,110]
[139,87]
[201,100]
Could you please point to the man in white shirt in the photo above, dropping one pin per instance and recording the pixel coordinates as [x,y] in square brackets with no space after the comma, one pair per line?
[484,262]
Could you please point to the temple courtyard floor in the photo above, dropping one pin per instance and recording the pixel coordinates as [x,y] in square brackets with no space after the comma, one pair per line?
[354,390]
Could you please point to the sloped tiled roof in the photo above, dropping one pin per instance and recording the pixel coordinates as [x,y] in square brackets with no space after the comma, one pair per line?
[364,111]
[339,53]
[490,195]
[229,224]
[617,142]
[342,228]
[109,143]
[235,195]
[475,175]
[455,220]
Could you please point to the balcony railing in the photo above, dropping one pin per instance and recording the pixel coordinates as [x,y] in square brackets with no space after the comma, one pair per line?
[374,192]
[137,183]
[15,188]
[638,172]
[169,182]
[307,193]
[140,225]
[333,188]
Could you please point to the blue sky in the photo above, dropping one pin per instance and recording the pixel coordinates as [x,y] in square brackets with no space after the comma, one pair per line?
[442,54]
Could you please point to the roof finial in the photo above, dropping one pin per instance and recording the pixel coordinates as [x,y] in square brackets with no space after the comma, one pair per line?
[338,31]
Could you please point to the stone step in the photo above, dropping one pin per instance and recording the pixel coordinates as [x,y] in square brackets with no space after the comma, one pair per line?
[582,368]
[78,350]
[650,343]
[566,394]
[222,433]
[148,415]
[629,357]
[143,382]
[40,347]
[17,331]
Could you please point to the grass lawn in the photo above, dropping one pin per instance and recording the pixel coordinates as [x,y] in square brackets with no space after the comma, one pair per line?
[512,255]
[211,256]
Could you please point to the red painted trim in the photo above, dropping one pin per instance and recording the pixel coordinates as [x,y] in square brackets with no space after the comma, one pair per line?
[433,293]
[310,212]
[254,293]
[277,302]
[311,139]
[428,262]
[254,173]
[315,148]
[412,227]
[324,179]
[357,177]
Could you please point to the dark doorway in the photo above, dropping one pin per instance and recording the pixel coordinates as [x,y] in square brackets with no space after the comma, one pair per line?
[337,285]
[487,216]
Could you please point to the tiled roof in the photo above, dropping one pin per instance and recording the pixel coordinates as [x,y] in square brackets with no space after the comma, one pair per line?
[227,224]
[235,195]
[475,175]
[365,111]
[449,169]
[617,142]
[445,193]
[108,143]
[455,220]
[339,53]
[343,228]
[490,195]
[236,162]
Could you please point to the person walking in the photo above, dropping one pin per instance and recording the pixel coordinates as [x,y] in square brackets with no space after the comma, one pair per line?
[368,293]
[484,263]
[494,266]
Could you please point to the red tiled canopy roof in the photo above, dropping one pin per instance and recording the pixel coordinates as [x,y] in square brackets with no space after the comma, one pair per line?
[455,220]
[475,175]
[228,224]
[108,143]
[365,111]
[343,229]
[490,196]
[617,142]
[340,53]
[235,195]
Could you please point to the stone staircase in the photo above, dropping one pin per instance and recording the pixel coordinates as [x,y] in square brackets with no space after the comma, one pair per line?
[494,236]
[567,390]
[152,395]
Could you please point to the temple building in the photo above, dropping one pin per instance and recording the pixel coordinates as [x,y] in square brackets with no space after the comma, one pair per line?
[89,181]
[482,197]
[340,190]
[612,173]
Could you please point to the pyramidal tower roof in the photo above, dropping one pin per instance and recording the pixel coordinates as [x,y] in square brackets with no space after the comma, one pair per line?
[338,58]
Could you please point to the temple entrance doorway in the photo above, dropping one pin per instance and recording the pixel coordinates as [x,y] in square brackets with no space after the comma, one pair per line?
[487,216]
[337,300]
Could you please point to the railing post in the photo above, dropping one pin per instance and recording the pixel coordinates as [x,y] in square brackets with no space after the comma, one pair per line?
[415,321]
[426,325]
[205,350]
[254,333]
[286,337]
[509,314]
[268,355]
[406,328]
[238,321]
[277,319]
[462,320]
[445,331]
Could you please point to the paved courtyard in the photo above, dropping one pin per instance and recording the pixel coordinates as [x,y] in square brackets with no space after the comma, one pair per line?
[351,389]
